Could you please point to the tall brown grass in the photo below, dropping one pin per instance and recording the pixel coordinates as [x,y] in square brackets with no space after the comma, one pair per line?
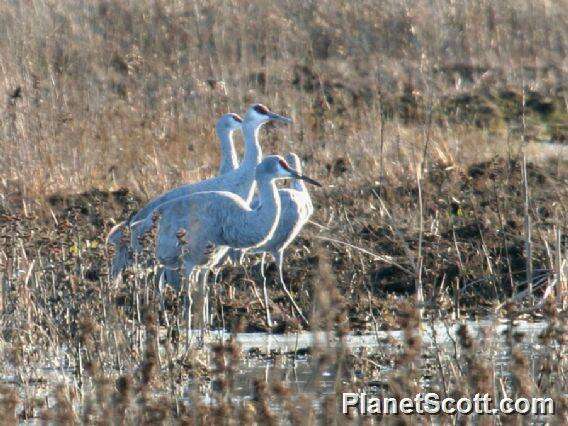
[126,92]
[112,94]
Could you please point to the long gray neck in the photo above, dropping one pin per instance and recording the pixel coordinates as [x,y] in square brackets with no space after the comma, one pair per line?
[252,157]
[297,184]
[229,159]
[255,227]
[253,151]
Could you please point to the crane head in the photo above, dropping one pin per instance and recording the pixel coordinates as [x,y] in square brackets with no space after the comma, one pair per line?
[294,161]
[275,167]
[259,114]
[229,122]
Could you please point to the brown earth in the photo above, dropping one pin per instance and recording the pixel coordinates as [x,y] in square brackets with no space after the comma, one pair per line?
[473,244]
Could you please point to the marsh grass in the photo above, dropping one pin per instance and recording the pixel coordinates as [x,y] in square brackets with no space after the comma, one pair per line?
[418,117]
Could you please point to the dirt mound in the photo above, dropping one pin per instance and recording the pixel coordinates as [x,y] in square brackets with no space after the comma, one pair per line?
[122,197]
[473,242]
[95,205]
[486,103]
[473,239]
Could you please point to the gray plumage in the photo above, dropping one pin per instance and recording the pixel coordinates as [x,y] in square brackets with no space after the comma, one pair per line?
[195,231]
[224,129]
[226,125]
[217,219]
[296,209]
[239,181]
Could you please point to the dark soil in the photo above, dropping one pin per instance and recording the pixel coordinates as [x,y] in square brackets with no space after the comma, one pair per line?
[473,245]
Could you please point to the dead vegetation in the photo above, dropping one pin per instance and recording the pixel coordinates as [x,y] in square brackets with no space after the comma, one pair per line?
[419,132]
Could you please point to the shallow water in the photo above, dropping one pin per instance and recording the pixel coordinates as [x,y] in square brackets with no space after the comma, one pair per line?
[289,343]
[288,359]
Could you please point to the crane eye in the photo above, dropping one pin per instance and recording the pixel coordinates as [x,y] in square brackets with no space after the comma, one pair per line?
[237,118]
[261,109]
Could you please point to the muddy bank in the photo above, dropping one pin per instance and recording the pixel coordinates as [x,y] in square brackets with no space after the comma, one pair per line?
[473,246]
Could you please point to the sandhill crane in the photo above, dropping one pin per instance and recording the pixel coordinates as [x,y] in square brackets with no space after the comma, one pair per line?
[239,181]
[226,125]
[296,208]
[218,219]
[224,129]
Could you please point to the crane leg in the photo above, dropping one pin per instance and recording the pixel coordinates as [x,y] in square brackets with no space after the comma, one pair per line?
[279,256]
[216,275]
[161,283]
[172,277]
[204,297]
[188,272]
[264,289]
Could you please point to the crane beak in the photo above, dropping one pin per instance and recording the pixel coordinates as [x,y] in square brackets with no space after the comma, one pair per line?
[297,175]
[278,117]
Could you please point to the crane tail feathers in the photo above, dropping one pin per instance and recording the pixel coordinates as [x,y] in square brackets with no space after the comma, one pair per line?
[120,261]
[115,235]
[122,257]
